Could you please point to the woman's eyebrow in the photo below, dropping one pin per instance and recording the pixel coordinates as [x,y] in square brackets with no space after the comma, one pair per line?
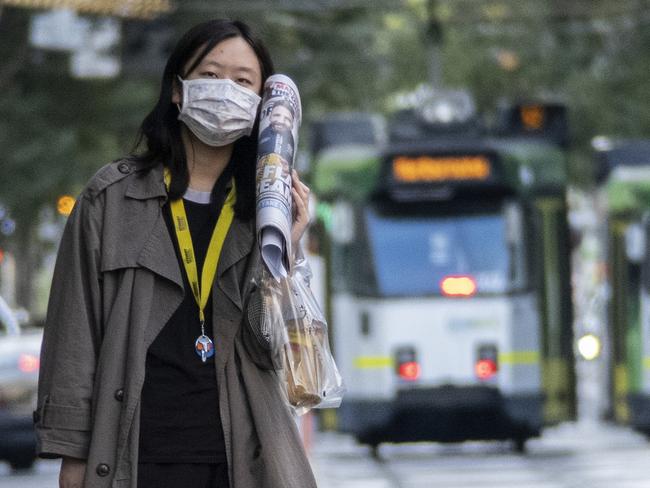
[219,65]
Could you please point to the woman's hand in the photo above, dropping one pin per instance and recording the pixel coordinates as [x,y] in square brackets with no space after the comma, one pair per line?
[72,473]
[300,193]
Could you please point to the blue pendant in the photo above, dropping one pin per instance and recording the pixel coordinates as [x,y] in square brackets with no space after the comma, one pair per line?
[204,347]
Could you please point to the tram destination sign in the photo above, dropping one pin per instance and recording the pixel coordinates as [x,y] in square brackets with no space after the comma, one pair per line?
[441,168]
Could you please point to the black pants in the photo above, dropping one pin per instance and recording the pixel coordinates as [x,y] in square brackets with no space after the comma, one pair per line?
[158,475]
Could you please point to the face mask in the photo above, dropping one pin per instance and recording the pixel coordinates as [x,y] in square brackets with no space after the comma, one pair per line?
[218,112]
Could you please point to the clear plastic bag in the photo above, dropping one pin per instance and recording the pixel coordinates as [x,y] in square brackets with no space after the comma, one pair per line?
[297,330]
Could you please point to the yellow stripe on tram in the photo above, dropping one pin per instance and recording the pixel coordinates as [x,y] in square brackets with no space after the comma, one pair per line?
[519,357]
[373,362]
[646,362]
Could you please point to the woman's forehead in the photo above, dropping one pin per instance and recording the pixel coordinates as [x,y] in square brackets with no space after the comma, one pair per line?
[233,53]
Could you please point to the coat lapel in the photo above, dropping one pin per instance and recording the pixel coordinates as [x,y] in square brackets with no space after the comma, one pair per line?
[158,252]
[239,243]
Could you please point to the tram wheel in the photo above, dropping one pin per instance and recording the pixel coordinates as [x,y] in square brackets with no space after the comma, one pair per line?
[22,463]
[374,452]
[519,445]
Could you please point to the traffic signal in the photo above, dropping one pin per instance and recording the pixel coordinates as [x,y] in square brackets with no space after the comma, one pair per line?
[540,120]
[65,204]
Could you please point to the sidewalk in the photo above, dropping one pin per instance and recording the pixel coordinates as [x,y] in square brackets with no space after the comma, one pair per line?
[339,462]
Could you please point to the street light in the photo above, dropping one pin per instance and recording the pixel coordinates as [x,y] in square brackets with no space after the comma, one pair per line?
[507,60]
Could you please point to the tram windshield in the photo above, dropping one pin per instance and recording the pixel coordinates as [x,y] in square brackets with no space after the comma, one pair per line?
[413,255]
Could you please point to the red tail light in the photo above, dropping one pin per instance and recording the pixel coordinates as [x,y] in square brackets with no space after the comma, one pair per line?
[28,363]
[407,366]
[409,371]
[458,286]
[487,362]
[485,369]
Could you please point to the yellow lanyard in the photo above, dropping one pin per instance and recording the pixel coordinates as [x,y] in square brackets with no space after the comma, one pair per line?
[201,291]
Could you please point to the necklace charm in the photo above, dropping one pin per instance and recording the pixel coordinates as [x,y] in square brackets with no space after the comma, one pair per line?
[204,347]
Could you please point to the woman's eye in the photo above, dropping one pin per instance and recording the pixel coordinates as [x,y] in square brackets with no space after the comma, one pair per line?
[244,81]
[209,74]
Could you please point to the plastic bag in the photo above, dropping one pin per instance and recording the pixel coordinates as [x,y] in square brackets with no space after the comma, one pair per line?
[310,376]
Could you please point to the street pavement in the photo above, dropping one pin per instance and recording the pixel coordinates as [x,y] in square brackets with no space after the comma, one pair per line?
[568,456]
[43,475]
[584,455]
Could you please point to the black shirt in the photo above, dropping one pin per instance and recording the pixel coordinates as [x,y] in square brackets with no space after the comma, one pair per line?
[180,421]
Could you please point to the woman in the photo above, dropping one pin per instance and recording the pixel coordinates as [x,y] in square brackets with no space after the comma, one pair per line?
[148,380]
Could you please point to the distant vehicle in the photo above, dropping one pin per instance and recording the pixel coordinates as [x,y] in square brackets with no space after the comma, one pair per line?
[19,363]
[8,319]
[450,284]
[624,175]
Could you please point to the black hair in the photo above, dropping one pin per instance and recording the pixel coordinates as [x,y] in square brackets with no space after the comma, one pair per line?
[286,104]
[161,129]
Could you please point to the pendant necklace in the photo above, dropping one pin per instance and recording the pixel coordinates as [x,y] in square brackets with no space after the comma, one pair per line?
[203,346]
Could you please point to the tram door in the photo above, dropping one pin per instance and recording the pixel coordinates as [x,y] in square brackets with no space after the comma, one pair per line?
[624,317]
[551,263]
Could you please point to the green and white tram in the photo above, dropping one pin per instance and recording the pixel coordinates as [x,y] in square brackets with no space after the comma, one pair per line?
[450,288]
[625,178]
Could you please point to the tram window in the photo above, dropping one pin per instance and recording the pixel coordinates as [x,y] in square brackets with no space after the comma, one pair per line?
[516,246]
[352,269]
[413,254]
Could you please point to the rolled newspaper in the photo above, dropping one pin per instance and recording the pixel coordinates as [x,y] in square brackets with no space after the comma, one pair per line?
[278,138]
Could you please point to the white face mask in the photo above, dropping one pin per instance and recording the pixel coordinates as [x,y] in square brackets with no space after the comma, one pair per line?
[218,112]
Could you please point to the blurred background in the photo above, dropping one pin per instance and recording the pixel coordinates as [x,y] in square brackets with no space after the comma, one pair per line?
[481,171]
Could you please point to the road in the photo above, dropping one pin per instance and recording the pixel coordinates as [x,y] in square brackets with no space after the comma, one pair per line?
[568,456]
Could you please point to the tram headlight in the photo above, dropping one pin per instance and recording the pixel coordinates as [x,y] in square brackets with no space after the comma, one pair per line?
[458,286]
[589,347]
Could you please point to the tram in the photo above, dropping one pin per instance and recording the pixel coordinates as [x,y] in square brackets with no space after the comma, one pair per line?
[450,287]
[625,179]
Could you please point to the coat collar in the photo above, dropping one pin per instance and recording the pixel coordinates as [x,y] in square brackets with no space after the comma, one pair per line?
[148,184]
[158,252]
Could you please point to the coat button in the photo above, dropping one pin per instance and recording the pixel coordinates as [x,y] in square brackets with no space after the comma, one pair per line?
[119,395]
[124,168]
[103,469]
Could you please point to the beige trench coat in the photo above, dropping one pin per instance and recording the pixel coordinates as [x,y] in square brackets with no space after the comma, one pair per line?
[117,281]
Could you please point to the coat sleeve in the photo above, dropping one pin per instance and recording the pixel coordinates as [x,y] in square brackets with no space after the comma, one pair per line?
[258,333]
[264,328]
[72,337]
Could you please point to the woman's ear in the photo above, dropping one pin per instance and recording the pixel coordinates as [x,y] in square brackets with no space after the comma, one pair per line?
[177,95]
